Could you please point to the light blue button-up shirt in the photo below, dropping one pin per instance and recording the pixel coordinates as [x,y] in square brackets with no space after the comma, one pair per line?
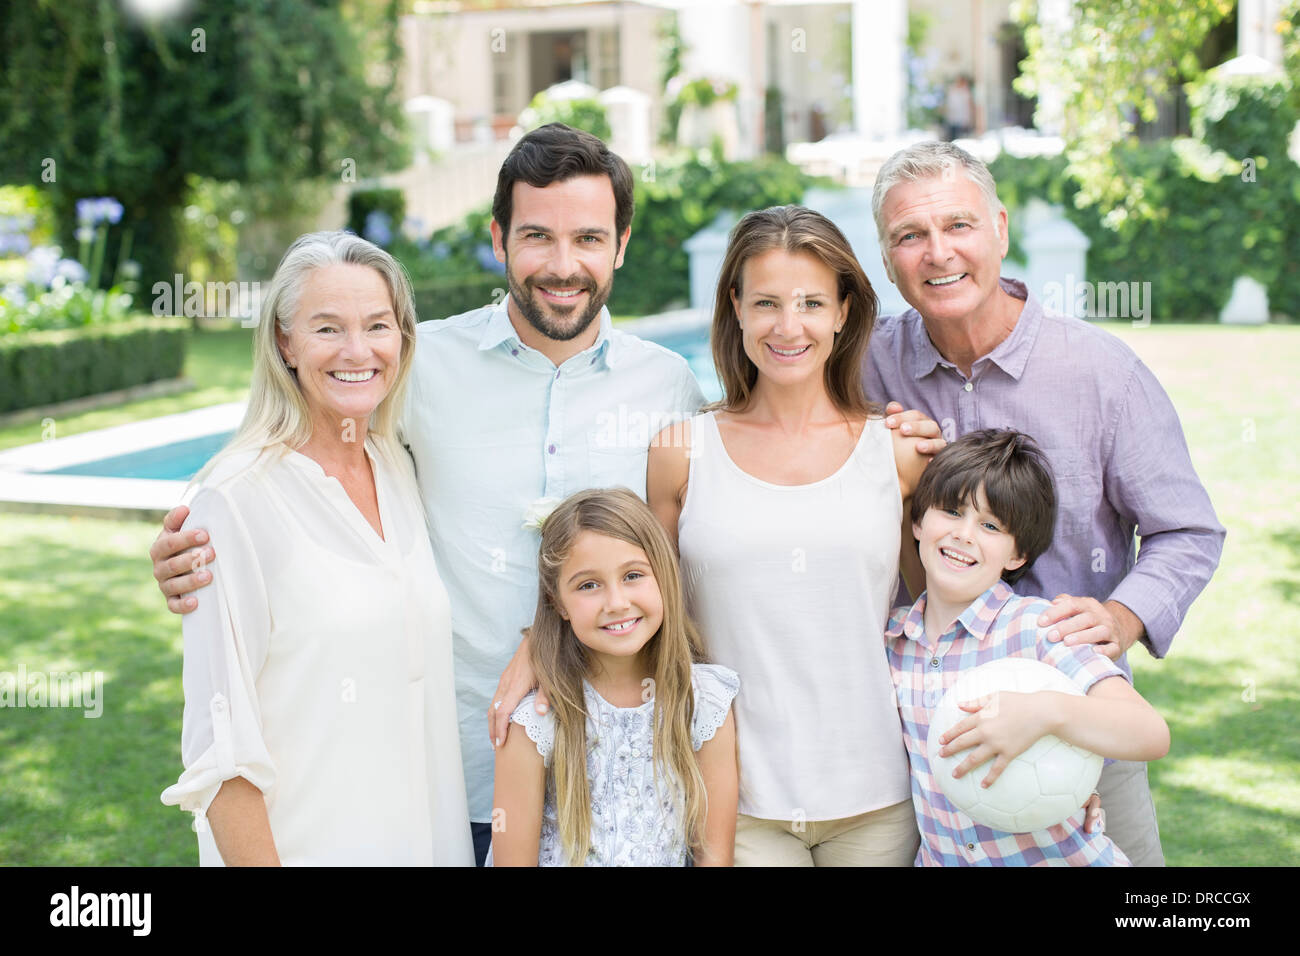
[493,426]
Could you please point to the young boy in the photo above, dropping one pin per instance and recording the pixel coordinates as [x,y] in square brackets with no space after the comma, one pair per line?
[982,513]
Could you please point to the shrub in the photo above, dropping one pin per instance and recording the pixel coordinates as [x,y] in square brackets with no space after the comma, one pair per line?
[39,368]
[685,195]
[440,298]
[1217,218]
[584,114]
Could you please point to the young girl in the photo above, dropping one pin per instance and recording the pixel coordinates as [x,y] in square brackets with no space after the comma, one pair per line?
[634,763]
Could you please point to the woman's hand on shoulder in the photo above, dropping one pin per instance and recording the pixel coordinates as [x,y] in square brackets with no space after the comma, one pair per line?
[668,466]
[917,439]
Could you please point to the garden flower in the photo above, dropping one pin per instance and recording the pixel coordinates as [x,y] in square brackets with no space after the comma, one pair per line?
[71,269]
[40,265]
[91,212]
[378,228]
[487,259]
[538,512]
[14,243]
[14,295]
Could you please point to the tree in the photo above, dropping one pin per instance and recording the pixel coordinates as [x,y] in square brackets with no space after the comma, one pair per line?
[1111,63]
[95,101]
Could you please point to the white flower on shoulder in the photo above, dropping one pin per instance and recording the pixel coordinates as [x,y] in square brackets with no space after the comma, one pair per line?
[538,512]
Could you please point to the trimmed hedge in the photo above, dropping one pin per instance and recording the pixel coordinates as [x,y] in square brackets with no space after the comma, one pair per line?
[40,368]
[440,298]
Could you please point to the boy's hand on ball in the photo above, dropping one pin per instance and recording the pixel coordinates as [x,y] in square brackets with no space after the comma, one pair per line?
[1001,727]
[1093,820]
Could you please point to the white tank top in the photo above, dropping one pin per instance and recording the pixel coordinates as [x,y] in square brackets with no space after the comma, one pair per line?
[791,587]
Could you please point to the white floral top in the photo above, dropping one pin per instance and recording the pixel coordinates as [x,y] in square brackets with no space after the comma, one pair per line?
[634,817]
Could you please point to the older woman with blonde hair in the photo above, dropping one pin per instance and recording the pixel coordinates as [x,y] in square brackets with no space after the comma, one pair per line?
[320,720]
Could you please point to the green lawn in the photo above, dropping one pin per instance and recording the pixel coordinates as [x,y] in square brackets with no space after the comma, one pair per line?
[78,594]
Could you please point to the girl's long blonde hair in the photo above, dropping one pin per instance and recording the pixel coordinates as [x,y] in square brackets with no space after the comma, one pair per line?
[560,662]
[277,413]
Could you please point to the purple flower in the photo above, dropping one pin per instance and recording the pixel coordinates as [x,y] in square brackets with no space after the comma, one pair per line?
[40,265]
[71,269]
[378,228]
[14,293]
[91,212]
[14,243]
[487,259]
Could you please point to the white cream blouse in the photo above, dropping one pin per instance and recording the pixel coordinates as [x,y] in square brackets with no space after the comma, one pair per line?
[318,666]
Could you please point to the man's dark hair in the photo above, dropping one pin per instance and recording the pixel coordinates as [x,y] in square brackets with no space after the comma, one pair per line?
[554,153]
[1017,482]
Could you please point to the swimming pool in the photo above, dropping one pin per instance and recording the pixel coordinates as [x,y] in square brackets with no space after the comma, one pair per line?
[694,347]
[177,461]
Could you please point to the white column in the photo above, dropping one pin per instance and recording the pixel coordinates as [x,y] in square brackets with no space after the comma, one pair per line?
[879,77]
[1055,18]
[1255,33]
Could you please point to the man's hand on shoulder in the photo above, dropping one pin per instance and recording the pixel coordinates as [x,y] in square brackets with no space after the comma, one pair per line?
[1111,627]
[180,561]
[914,423]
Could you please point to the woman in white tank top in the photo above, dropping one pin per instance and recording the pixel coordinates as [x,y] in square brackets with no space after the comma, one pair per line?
[787,504]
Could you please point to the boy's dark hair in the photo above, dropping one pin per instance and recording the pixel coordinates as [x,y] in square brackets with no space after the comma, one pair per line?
[554,153]
[1017,482]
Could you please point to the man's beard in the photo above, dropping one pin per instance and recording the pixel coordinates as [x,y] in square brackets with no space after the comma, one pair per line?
[535,312]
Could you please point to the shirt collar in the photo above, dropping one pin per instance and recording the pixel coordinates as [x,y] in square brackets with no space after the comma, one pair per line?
[500,329]
[1011,354]
[976,620]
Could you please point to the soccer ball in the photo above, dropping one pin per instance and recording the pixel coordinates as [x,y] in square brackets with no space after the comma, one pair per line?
[1042,787]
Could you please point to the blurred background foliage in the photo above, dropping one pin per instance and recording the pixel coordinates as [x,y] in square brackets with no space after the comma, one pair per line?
[268,95]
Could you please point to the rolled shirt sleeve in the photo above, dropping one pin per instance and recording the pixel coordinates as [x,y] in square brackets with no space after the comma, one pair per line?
[1153,484]
[226,642]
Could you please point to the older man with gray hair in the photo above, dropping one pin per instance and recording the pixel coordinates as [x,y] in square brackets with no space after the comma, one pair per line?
[976,351]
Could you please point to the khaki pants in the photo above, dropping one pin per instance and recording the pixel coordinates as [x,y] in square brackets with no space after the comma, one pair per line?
[1129,814]
[884,837]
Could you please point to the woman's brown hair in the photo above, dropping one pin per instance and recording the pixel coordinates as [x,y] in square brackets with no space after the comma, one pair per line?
[793,229]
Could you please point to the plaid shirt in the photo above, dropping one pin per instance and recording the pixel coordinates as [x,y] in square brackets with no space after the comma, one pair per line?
[998,624]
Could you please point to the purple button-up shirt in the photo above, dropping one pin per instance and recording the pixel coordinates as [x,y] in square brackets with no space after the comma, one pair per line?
[1114,441]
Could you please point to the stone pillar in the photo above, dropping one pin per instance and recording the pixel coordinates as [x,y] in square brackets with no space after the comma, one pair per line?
[879,76]
[1256,35]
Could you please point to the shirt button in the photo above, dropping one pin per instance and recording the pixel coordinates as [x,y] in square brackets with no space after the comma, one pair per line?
[969,386]
[970,846]
[551,450]
[934,662]
[514,351]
